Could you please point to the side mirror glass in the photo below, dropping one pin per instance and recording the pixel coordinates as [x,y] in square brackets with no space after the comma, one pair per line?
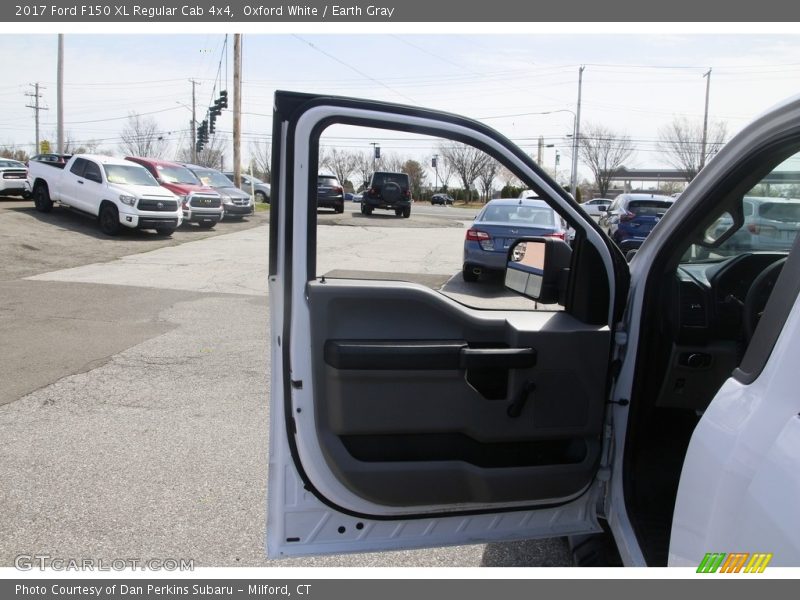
[717,229]
[538,268]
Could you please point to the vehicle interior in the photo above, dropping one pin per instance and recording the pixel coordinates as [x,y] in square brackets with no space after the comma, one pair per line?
[704,300]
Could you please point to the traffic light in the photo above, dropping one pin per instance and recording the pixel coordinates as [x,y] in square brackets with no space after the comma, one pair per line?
[211,118]
[223,99]
[202,133]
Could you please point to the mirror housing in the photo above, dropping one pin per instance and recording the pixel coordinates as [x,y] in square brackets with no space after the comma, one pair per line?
[538,268]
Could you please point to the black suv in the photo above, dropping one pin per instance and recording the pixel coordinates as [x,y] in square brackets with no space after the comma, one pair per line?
[330,193]
[443,199]
[391,191]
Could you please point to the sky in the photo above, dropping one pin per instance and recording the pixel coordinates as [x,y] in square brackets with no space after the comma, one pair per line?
[633,84]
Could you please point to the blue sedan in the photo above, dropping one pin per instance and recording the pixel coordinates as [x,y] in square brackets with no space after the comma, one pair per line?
[498,225]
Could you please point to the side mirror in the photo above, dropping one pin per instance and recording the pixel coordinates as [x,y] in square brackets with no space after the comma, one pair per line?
[538,269]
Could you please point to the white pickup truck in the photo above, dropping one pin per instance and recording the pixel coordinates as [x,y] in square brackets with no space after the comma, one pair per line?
[117,192]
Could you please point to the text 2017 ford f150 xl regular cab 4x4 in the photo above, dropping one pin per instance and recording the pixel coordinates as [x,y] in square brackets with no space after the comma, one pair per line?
[653,415]
[200,203]
[117,192]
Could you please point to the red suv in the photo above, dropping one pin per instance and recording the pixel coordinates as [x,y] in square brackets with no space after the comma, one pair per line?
[201,204]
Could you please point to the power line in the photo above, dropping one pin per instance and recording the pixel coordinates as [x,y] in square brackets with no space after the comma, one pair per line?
[351,67]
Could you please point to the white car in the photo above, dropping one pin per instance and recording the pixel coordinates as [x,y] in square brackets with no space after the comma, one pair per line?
[659,404]
[596,206]
[13,178]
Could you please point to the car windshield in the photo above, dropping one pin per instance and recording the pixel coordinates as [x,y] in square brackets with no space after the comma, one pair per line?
[177,174]
[11,163]
[129,175]
[212,178]
[519,215]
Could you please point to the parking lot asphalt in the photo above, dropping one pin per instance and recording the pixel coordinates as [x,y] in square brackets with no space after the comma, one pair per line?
[134,423]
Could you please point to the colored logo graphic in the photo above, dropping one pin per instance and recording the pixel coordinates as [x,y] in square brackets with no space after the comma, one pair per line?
[737,562]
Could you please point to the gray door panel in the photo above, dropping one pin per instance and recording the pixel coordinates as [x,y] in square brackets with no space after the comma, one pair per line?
[420,400]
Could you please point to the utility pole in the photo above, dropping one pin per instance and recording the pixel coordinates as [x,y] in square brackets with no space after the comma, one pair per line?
[237,109]
[573,184]
[540,150]
[36,108]
[60,96]
[707,75]
[194,123]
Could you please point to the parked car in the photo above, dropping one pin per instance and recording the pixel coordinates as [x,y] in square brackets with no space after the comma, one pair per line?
[769,224]
[201,204]
[117,192]
[357,197]
[498,225]
[442,199]
[644,419]
[330,193]
[390,191]
[596,206]
[253,185]
[630,218]
[13,178]
[236,203]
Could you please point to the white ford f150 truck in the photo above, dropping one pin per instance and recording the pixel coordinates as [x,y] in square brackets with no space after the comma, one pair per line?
[653,418]
[116,192]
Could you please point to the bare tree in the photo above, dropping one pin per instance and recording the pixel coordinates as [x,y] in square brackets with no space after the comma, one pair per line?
[391,162]
[261,159]
[507,177]
[13,153]
[443,173]
[682,142]
[141,137]
[341,162]
[603,151]
[466,162]
[487,175]
[364,167]
[212,155]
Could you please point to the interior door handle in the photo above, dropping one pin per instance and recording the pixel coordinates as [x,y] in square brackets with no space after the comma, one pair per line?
[502,358]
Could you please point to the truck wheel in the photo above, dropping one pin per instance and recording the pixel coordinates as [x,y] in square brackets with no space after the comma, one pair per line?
[41,199]
[406,212]
[109,219]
